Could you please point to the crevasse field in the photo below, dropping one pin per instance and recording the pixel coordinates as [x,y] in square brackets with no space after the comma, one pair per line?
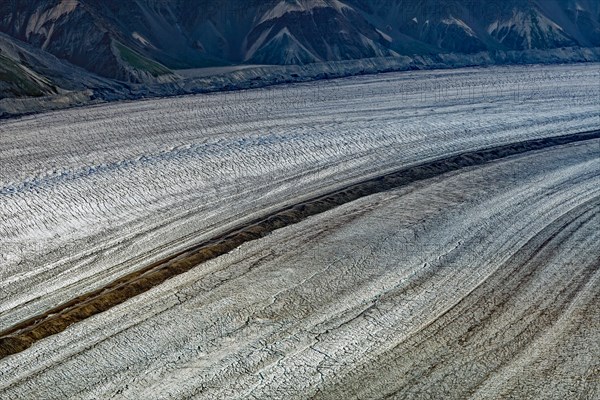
[479,283]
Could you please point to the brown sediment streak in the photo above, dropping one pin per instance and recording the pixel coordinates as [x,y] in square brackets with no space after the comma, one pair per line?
[21,336]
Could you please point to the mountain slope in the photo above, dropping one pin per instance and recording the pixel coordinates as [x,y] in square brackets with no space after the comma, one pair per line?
[28,71]
[17,80]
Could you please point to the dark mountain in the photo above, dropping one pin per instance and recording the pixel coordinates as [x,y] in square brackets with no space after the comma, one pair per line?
[144,40]
[26,71]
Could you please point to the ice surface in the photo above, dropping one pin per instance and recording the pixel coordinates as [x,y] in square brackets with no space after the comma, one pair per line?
[91,193]
[480,281]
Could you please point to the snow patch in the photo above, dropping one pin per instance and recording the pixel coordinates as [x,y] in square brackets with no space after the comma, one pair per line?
[288,6]
[38,20]
[258,43]
[385,36]
[141,39]
[293,49]
[460,23]
[523,24]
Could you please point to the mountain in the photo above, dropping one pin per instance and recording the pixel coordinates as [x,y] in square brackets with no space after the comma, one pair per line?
[144,40]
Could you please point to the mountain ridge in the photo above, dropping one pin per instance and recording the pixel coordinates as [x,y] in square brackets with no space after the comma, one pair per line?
[138,41]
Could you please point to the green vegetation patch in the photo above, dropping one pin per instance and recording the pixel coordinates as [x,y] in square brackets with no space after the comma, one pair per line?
[138,61]
[17,80]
